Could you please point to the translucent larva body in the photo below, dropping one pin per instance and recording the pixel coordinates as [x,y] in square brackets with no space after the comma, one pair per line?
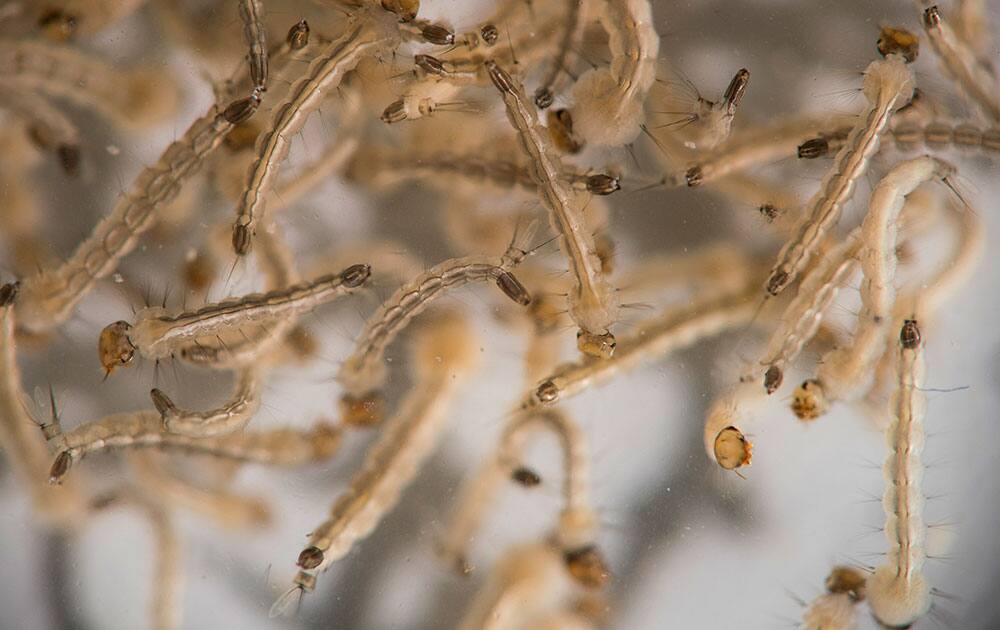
[252,15]
[977,84]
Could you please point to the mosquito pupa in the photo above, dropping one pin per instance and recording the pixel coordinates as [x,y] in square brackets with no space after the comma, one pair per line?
[51,295]
[898,41]
[405,10]
[898,592]
[544,94]
[837,608]
[305,96]
[908,135]
[844,371]
[888,82]
[591,303]
[363,372]
[443,355]
[255,35]
[157,334]
[975,83]
[48,126]
[608,103]
[972,26]
[724,439]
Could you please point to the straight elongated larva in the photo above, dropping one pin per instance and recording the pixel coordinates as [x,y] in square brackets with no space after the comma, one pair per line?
[363,372]
[50,296]
[844,371]
[144,429]
[47,125]
[909,134]
[978,85]
[137,98]
[676,328]
[608,103]
[898,591]
[230,417]
[443,356]
[888,83]
[591,302]
[255,34]
[157,334]
[363,38]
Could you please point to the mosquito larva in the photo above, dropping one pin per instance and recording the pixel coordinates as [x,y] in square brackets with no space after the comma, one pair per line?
[90,16]
[232,416]
[443,356]
[137,98]
[255,35]
[144,429]
[898,592]
[591,302]
[887,82]
[844,371]
[49,127]
[544,95]
[428,32]
[907,135]
[675,328]
[363,372]
[364,37]
[975,83]
[608,103]
[837,608]
[157,334]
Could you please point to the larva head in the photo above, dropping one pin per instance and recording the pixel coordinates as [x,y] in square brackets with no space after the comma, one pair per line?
[814,148]
[61,466]
[809,401]
[899,41]
[362,411]
[543,97]
[525,477]
[405,10]
[241,110]
[896,602]
[773,378]
[298,36]
[356,275]
[242,239]
[489,33]
[57,25]
[909,335]
[587,566]
[932,17]
[603,184]
[114,348]
[513,288]
[394,113]
[599,346]
[310,558]
[429,65]
[8,293]
[560,124]
[547,393]
[325,439]
[769,211]
[732,449]
[437,34]
[846,580]
[734,93]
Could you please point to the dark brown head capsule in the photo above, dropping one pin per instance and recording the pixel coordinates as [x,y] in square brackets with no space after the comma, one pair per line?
[777,282]
[524,476]
[490,33]
[813,148]
[769,211]
[164,406]
[543,97]
[241,110]
[69,158]
[932,17]
[773,378]
[430,65]
[298,35]
[501,80]
[587,566]
[513,288]
[60,467]
[57,25]
[909,335]
[394,113]
[547,393]
[693,176]
[737,88]
[437,34]
[242,239]
[8,293]
[114,348]
[603,184]
[356,275]
[846,580]
[898,41]
[310,558]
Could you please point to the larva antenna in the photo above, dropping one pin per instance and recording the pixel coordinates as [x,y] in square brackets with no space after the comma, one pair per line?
[976,84]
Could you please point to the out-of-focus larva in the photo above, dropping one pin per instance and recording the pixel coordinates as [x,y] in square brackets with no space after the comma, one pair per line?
[144,429]
[363,373]
[971,23]
[157,334]
[977,84]
[837,609]
[888,83]
[591,302]
[50,296]
[365,36]
[844,371]
[230,417]
[65,19]
[47,125]
[908,135]
[137,98]
[608,103]
[444,353]
[898,592]
[255,34]
[652,339]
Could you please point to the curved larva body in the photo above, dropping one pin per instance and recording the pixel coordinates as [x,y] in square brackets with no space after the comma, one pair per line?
[898,592]
[48,298]
[608,103]
[325,73]
[591,303]
[232,416]
[845,371]
[888,84]
[444,356]
[976,83]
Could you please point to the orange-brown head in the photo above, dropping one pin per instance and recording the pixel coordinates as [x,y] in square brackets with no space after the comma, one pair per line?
[114,347]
